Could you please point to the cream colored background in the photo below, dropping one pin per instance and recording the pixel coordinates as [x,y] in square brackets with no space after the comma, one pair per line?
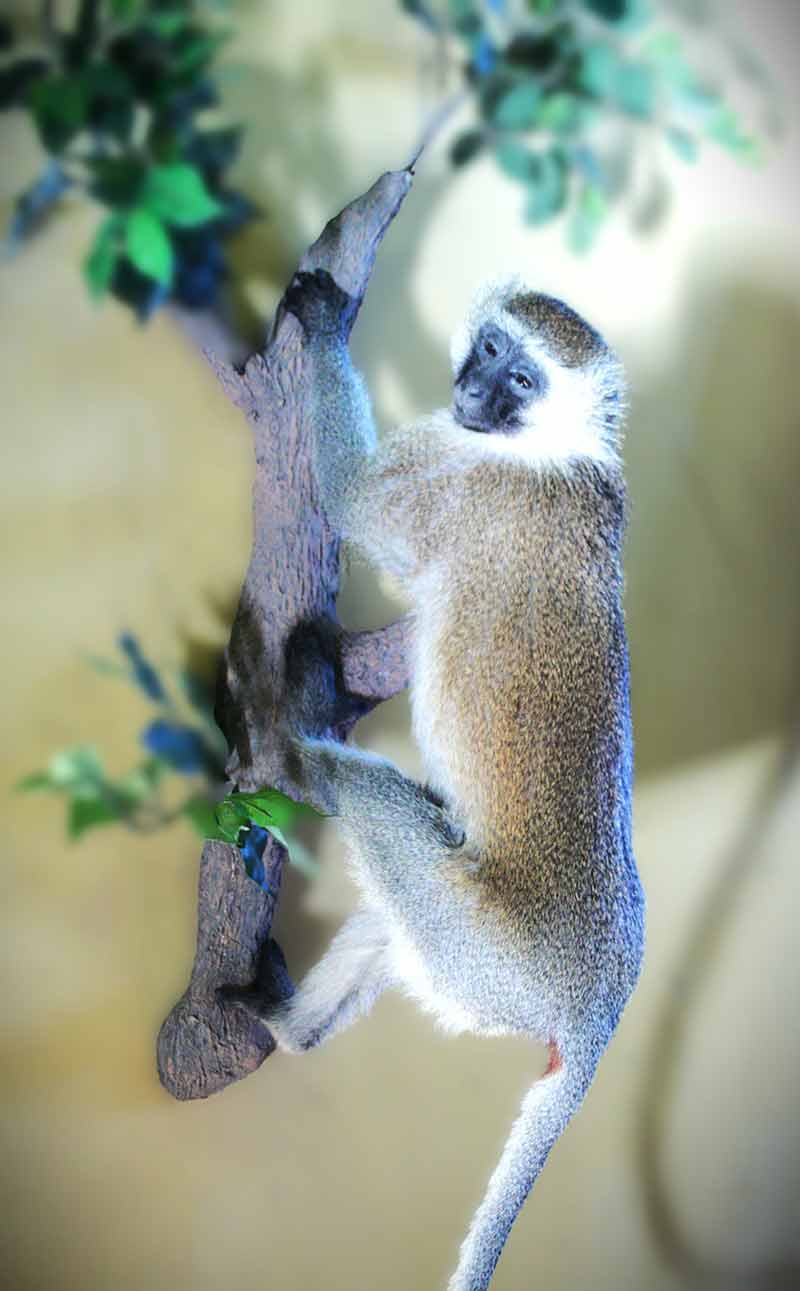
[126,477]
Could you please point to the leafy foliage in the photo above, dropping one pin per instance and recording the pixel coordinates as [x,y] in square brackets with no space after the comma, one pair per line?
[93,798]
[181,776]
[147,245]
[560,86]
[118,102]
[177,743]
[247,819]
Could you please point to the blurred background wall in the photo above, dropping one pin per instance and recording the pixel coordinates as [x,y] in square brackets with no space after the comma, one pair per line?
[126,479]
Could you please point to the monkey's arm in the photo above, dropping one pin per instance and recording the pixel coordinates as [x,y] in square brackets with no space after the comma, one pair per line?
[341,416]
[377,496]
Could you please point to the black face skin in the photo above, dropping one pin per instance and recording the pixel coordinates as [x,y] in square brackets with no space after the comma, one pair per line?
[497,384]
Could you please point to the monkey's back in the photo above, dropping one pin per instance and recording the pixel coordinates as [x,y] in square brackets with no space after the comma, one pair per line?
[521,707]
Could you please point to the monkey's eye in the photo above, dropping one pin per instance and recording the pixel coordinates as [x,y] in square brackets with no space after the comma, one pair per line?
[490,348]
[521,380]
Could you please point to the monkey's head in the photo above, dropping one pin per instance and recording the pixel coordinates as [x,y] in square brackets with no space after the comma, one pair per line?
[535,377]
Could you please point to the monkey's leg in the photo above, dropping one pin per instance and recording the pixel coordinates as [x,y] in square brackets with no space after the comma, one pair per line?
[390,816]
[341,988]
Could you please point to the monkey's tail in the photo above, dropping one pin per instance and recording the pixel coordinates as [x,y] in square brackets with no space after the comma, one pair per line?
[546,1108]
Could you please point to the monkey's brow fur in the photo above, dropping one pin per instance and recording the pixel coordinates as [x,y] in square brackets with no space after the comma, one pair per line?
[535,923]
[569,338]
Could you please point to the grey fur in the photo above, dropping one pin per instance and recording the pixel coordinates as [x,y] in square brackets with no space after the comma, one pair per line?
[515,905]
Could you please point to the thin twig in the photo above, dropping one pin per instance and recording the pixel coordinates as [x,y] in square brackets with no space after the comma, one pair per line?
[436,121]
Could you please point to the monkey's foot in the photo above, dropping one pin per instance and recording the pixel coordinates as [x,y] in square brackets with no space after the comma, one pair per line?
[320,304]
[272,986]
[316,703]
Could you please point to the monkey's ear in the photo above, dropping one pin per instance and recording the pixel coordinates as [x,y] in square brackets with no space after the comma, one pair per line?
[487,304]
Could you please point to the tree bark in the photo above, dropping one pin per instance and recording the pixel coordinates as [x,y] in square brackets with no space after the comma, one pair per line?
[211,1038]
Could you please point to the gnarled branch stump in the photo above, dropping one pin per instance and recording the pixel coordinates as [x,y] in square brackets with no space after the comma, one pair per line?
[209,1039]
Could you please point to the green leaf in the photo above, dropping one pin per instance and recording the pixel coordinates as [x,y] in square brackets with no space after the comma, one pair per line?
[421,11]
[536,53]
[635,89]
[665,50]
[464,16]
[116,181]
[34,783]
[586,219]
[200,813]
[139,784]
[700,101]
[517,109]
[724,127]
[108,667]
[230,819]
[516,160]
[196,53]
[280,837]
[563,113]
[177,194]
[604,75]
[59,105]
[270,807]
[547,191]
[466,146]
[611,10]
[598,70]
[78,769]
[167,22]
[588,166]
[111,100]
[147,245]
[86,813]
[619,11]
[543,7]
[126,8]
[100,263]
[683,143]
[267,807]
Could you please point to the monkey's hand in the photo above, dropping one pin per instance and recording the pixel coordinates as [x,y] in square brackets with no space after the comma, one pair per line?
[320,304]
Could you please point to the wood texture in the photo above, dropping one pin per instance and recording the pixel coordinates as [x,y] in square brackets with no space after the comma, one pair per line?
[210,1039]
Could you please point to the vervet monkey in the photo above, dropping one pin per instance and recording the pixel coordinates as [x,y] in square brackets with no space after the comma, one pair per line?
[504,895]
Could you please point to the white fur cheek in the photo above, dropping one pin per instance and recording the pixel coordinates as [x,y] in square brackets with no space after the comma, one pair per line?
[561,420]
[563,424]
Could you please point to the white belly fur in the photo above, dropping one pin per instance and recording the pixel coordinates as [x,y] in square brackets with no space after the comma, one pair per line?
[412,974]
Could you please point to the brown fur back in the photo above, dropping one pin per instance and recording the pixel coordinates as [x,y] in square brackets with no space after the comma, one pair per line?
[533,683]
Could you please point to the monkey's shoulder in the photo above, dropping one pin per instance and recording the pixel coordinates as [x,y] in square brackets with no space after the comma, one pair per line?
[559,518]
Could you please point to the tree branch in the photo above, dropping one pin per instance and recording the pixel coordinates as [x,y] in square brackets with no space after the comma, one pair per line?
[375,664]
[209,1039]
[214,330]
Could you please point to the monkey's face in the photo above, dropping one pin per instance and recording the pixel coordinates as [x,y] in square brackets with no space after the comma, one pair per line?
[535,379]
[497,384]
